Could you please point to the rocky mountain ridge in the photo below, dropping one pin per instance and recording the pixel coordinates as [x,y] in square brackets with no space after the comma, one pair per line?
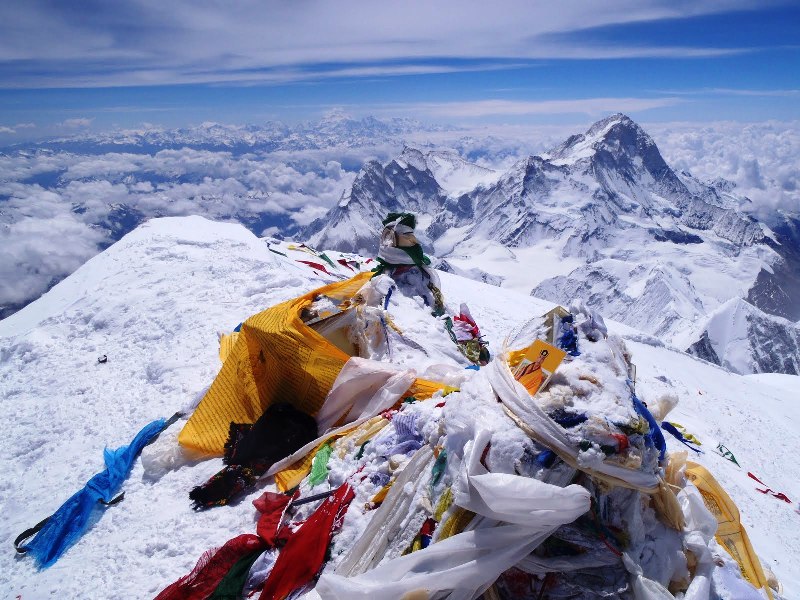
[651,247]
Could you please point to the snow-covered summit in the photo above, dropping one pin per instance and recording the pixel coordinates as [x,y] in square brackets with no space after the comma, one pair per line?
[153,304]
[744,339]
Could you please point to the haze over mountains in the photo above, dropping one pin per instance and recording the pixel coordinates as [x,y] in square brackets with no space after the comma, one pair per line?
[601,216]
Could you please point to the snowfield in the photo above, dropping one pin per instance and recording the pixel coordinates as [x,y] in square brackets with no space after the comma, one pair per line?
[154,302]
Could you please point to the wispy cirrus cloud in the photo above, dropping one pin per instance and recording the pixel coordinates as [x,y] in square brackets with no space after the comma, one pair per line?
[14,128]
[45,43]
[76,123]
[790,93]
[486,108]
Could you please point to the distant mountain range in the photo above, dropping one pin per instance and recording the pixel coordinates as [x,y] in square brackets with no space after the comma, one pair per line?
[601,217]
[335,130]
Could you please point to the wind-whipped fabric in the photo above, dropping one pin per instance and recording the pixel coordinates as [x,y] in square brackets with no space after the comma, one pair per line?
[517,399]
[515,515]
[364,388]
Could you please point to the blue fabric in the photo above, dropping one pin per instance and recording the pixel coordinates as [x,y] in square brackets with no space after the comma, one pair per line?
[546,458]
[655,437]
[379,479]
[238,327]
[669,427]
[70,521]
[569,342]
[388,297]
[568,420]
[408,440]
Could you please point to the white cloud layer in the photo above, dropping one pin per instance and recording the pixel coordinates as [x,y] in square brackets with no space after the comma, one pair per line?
[46,233]
[761,158]
[51,203]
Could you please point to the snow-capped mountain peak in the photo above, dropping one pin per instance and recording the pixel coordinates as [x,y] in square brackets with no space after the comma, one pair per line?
[658,249]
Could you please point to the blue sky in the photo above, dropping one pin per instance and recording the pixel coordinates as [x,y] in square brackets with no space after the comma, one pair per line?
[68,67]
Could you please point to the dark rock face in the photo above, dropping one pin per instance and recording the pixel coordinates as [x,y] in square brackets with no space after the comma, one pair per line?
[404,184]
[778,292]
[775,347]
[703,348]
[676,237]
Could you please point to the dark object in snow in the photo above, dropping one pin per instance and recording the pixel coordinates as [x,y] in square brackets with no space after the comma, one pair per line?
[103,359]
[252,449]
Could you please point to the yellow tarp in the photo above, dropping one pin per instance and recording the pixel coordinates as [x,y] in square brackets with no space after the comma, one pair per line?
[275,357]
[730,532]
[226,344]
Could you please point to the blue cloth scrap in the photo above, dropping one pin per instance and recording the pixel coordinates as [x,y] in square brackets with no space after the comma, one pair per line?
[568,420]
[379,478]
[408,440]
[669,427]
[569,342]
[654,437]
[70,521]
[546,458]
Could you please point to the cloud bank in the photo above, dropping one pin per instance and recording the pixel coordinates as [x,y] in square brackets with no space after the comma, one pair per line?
[760,158]
[58,209]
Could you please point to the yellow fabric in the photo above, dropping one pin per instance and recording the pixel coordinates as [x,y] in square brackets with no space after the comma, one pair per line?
[730,532]
[381,495]
[667,507]
[456,523]
[360,434]
[226,344]
[445,501]
[422,389]
[276,357]
[292,475]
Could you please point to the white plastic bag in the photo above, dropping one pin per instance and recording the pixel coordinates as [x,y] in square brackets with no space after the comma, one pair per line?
[466,564]
[513,395]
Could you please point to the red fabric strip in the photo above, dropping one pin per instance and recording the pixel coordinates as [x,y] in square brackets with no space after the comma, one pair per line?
[301,558]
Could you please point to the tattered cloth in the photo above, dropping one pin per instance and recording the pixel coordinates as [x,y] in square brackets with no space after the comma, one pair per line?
[252,449]
[274,356]
[70,521]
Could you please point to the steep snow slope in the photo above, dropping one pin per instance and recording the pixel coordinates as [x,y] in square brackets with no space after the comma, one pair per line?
[154,302]
[744,340]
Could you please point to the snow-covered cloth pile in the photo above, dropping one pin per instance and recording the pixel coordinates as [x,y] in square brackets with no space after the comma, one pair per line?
[153,304]
[475,487]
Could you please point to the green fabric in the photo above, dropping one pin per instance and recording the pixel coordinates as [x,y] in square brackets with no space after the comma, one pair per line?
[438,469]
[231,586]
[361,450]
[417,255]
[407,219]
[319,468]
[725,453]
[324,257]
[275,251]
